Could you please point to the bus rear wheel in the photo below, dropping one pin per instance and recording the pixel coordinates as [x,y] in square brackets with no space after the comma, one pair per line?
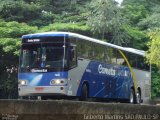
[138,97]
[84,93]
[132,97]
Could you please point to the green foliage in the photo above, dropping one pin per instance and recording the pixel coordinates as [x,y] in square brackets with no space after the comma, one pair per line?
[155,82]
[11,33]
[150,23]
[19,11]
[134,13]
[153,54]
[9,51]
[137,38]
[68,27]
[43,12]
[15,29]
[153,57]
[105,19]
[10,45]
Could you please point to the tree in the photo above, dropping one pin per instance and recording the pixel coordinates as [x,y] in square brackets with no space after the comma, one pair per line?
[137,37]
[153,54]
[106,20]
[19,11]
[43,12]
[155,81]
[9,52]
[134,13]
[151,22]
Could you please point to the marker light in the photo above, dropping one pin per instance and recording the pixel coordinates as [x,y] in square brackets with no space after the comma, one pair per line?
[58,81]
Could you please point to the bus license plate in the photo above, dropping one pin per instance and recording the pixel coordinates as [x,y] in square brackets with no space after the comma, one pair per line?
[39,88]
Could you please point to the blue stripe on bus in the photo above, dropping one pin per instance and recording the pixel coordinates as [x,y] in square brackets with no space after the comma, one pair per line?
[43,35]
[114,86]
[42,79]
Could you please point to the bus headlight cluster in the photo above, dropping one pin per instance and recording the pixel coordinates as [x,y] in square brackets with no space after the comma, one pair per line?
[58,82]
[22,82]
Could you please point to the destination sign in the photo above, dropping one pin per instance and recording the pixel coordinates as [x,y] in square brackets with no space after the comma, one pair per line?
[45,40]
[33,40]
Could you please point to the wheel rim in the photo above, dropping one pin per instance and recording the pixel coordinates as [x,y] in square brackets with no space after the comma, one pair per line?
[138,98]
[131,98]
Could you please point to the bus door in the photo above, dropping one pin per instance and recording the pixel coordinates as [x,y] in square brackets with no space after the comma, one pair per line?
[73,76]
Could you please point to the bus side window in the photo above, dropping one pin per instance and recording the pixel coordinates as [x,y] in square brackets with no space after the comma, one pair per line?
[108,55]
[83,48]
[114,56]
[140,63]
[133,60]
[147,67]
[126,55]
[120,59]
[98,52]
[72,56]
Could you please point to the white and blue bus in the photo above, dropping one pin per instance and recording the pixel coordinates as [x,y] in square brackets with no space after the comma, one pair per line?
[73,65]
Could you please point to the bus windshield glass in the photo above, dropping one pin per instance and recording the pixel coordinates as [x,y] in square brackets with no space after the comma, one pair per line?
[46,55]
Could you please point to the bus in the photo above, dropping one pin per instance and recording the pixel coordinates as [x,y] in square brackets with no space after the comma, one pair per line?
[73,65]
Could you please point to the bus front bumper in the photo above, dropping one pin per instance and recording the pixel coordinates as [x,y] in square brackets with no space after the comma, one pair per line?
[42,90]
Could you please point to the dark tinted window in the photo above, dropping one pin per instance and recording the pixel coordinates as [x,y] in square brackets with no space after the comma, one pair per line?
[137,61]
[141,64]
[120,59]
[132,60]
[107,55]
[99,52]
[72,52]
[84,48]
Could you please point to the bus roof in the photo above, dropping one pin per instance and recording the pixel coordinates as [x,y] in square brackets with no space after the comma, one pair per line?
[48,34]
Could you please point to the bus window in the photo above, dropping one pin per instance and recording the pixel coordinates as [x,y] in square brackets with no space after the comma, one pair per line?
[108,54]
[88,49]
[98,52]
[84,49]
[147,68]
[120,59]
[140,63]
[132,60]
[72,56]
[72,53]
[114,56]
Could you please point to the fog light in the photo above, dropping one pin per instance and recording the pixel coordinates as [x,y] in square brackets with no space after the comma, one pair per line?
[57,81]
[22,82]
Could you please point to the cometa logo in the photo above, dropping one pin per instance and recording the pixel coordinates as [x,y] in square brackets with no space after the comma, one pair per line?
[106,71]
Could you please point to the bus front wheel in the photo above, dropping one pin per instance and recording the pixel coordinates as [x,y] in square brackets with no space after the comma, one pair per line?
[84,93]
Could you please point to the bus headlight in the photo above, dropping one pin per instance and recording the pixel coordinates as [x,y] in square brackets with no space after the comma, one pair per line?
[58,82]
[22,82]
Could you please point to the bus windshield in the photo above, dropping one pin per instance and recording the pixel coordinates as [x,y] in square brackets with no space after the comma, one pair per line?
[45,55]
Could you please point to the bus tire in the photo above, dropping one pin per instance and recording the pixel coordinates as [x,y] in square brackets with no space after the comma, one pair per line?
[132,97]
[84,93]
[138,97]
